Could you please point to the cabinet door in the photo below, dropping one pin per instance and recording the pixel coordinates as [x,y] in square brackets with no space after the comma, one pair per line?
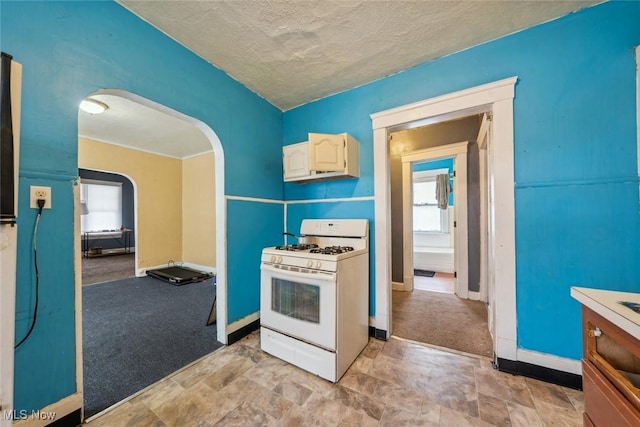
[326,152]
[295,160]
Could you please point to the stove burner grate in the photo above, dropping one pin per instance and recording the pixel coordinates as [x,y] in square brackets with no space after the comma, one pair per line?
[332,250]
[297,247]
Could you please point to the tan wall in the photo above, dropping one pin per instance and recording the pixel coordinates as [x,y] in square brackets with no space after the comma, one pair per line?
[198,210]
[158,183]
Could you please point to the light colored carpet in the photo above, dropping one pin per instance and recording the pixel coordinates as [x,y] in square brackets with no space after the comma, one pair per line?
[107,268]
[443,320]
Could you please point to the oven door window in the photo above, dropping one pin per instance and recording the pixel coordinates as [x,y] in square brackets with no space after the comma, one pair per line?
[297,300]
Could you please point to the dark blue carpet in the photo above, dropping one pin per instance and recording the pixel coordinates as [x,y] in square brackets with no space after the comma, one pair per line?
[137,331]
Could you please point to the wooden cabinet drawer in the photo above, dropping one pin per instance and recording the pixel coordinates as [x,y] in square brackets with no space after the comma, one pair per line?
[605,405]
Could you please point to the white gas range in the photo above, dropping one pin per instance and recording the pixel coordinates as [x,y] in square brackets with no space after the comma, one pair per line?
[314,298]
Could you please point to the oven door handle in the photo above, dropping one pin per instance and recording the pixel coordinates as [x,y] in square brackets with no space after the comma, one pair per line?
[325,277]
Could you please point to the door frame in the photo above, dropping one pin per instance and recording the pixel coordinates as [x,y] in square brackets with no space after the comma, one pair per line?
[458,151]
[496,97]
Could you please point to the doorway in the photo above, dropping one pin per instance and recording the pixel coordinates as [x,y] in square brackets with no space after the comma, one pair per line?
[496,97]
[176,191]
[441,238]
[107,202]
[432,225]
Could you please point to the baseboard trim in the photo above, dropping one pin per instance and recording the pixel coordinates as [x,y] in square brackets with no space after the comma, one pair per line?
[380,334]
[241,323]
[397,286]
[67,412]
[554,376]
[238,334]
[475,296]
[550,361]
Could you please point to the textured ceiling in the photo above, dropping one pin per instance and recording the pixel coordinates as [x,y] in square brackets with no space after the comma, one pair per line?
[292,52]
[130,124]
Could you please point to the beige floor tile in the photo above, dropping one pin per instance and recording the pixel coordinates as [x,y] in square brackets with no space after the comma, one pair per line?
[269,372]
[494,411]
[324,408]
[430,408]
[360,382]
[396,397]
[357,401]
[191,407]
[450,418]
[353,418]
[454,391]
[492,382]
[228,373]
[271,403]
[388,369]
[398,417]
[130,415]
[314,383]
[523,416]
[163,391]
[555,416]
[548,393]
[576,397]
[293,392]
[246,415]
[361,364]
[373,348]
[300,417]
[250,351]
[252,340]
[394,348]
[393,383]
[203,368]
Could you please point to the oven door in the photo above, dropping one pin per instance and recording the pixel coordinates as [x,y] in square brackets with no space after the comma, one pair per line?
[301,305]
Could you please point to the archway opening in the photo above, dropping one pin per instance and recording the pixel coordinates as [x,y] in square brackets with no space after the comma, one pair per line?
[177,187]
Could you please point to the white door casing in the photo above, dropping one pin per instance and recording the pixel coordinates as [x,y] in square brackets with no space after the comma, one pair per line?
[487,284]
[498,98]
[459,152]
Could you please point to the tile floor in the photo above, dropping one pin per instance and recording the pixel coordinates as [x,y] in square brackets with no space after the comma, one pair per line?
[393,383]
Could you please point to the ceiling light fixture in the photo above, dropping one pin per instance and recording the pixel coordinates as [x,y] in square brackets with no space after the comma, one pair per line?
[92,106]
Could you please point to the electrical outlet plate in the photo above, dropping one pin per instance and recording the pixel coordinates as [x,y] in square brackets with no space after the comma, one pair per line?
[38,192]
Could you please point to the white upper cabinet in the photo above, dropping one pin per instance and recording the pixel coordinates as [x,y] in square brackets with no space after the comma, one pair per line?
[295,159]
[324,156]
[327,152]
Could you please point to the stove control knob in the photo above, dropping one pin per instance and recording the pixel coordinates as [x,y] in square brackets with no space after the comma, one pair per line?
[318,264]
[279,260]
[309,263]
[273,258]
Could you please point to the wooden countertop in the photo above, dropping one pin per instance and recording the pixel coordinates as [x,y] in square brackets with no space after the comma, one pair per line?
[606,304]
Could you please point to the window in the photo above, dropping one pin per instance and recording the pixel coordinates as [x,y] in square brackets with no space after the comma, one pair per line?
[103,202]
[427,217]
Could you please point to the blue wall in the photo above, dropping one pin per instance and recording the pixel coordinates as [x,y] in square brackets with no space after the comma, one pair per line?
[69,50]
[575,158]
[576,188]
